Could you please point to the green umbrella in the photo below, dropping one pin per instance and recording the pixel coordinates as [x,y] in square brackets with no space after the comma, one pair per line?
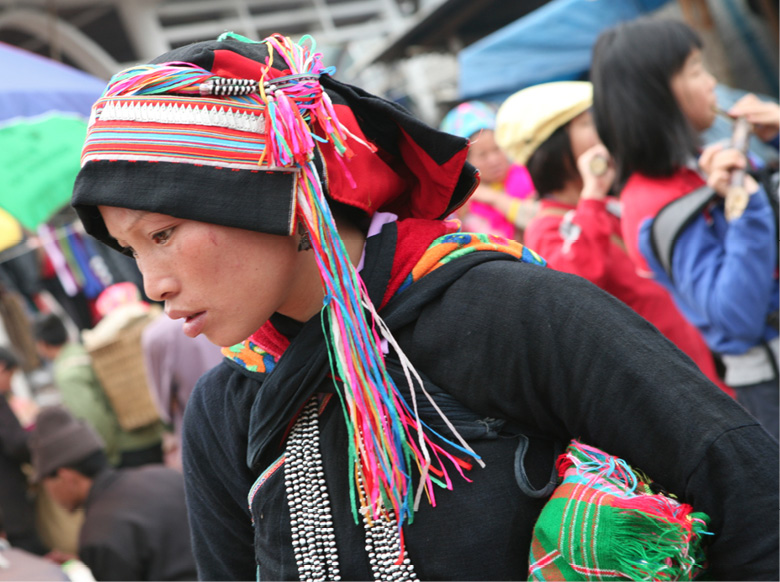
[41,157]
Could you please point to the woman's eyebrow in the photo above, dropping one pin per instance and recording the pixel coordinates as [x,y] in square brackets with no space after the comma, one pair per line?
[136,218]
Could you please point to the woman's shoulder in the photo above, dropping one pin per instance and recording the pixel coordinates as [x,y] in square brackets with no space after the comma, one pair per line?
[514,286]
[547,220]
[644,196]
[224,394]
[651,193]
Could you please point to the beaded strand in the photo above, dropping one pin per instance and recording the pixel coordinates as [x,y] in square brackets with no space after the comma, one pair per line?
[311,521]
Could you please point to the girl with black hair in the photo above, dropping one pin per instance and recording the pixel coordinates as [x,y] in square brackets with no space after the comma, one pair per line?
[652,97]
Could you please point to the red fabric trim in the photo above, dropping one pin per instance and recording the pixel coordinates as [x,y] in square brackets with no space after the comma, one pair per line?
[270,339]
[414,186]
[414,237]
[433,184]
[374,181]
[234,66]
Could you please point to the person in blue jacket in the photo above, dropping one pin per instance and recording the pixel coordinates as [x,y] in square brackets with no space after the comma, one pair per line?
[652,96]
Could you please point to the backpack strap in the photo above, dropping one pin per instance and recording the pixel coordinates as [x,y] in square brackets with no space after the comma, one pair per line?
[672,220]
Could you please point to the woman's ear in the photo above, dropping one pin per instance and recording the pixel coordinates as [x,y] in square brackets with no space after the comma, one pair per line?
[304,243]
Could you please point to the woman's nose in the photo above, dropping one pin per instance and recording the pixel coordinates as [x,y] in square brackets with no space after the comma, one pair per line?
[159,283]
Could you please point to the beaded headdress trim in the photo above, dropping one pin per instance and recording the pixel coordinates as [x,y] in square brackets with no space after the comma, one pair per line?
[172,110]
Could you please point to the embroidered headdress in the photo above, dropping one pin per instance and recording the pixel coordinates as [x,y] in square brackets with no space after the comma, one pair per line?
[245,117]
[258,135]
[469,118]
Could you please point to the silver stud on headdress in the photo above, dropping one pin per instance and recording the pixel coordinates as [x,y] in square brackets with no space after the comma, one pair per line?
[235,87]
[229,87]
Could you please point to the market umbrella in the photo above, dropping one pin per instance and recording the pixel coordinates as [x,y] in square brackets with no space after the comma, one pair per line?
[39,165]
[44,106]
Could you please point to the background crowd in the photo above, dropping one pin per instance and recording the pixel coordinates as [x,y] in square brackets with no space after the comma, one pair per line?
[580,171]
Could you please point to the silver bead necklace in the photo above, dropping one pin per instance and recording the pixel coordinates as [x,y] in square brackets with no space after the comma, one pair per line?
[311,522]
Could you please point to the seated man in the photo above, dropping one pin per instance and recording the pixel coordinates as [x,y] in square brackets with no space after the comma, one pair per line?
[135,522]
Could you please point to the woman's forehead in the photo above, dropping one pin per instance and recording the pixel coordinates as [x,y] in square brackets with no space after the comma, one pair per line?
[694,58]
[127,219]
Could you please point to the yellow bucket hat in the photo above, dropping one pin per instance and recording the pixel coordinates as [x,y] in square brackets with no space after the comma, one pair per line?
[527,118]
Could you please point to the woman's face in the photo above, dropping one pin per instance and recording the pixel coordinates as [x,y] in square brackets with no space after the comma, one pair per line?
[582,134]
[694,89]
[223,282]
[488,158]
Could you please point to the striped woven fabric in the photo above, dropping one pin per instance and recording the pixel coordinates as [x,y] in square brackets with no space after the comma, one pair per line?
[225,132]
[451,246]
[603,522]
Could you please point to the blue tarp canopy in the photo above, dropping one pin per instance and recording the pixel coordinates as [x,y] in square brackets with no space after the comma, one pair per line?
[552,43]
[31,85]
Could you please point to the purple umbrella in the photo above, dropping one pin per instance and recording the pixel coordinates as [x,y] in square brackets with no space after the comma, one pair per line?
[31,85]
[44,107]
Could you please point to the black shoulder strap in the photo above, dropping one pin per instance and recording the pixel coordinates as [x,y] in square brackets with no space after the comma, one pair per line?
[672,219]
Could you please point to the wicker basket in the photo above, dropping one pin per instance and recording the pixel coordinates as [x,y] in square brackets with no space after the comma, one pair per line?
[119,365]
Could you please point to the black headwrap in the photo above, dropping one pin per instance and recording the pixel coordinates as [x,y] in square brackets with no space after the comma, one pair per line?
[416,171]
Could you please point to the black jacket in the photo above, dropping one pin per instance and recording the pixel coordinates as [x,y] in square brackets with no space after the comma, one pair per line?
[548,353]
[135,526]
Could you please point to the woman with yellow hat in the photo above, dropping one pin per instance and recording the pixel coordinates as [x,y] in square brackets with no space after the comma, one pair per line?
[549,128]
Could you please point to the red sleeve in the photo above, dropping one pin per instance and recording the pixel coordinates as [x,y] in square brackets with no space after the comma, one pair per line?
[577,244]
[642,198]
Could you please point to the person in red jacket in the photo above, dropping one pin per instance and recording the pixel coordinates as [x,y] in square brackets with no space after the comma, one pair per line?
[577,229]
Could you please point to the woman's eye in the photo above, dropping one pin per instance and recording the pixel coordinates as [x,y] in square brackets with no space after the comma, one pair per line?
[163,236]
[129,252]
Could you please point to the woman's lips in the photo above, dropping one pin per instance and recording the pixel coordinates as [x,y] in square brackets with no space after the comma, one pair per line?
[193,324]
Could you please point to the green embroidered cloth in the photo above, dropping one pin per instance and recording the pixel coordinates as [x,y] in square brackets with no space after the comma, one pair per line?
[604,522]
